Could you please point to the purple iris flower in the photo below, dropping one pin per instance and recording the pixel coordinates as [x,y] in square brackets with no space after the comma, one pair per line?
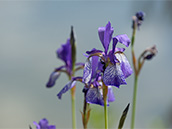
[43,124]
[65,54]
[116,66]
[93,88]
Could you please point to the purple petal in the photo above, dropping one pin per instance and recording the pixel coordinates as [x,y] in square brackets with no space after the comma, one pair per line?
[110,94]
[64,53]
[43,123]
[125,65]
[87,71]
[51,127]
[37,125]
[52,79]
[93,51]
[68,86]
[105,35]
[119,49]
[94,66]
[114,76]
[95,96]
[123,39]
[81,64]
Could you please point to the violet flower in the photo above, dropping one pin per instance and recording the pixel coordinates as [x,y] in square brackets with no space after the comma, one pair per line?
[43,124]
[92,89]
[116,66]
[65,54]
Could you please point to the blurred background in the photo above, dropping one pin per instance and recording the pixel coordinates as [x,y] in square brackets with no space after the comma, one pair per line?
[31,32]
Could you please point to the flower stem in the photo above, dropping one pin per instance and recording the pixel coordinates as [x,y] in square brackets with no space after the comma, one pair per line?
[73,107]
[105,91]
[136,75]
[106,114]
[134,102]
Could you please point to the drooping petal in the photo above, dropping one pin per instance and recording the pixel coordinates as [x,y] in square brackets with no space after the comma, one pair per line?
[67,87]
[114,76]
[87,71]
[105,35]
[122,39]
[52,79]
[125,65]
[110,94]
[43,123]
[95,96]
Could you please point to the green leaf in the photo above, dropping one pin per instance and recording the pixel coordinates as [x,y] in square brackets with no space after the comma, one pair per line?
[73,47]
[124,115]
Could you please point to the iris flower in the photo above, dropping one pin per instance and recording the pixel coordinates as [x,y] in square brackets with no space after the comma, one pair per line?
[116,66]
[43,124]
[93,89]
[65,54]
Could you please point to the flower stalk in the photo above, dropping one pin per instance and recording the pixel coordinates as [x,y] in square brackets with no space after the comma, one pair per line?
[105,92]
[147,54]
[134,60]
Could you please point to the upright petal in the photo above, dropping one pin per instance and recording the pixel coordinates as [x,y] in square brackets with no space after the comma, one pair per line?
[64,53]
[105,35]
[68,86]
[125,65]
[114,76]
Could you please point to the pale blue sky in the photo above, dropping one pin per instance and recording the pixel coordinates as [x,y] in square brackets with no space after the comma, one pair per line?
[30,33]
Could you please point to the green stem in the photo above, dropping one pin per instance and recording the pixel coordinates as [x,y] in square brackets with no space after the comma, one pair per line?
[73,106]
[73,111]
[134,101]
[106,114]
[105,91]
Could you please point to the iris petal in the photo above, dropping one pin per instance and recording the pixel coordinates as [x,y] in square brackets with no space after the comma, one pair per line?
[114,76]
[87,71]
[125,65]
[43,123]
[123,39]
[68,86]
[110,94]
[95,96]
[64,53]
[105,35]
[52,79]
[37,125]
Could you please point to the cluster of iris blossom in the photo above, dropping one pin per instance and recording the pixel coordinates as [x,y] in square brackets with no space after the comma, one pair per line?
[108,67]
